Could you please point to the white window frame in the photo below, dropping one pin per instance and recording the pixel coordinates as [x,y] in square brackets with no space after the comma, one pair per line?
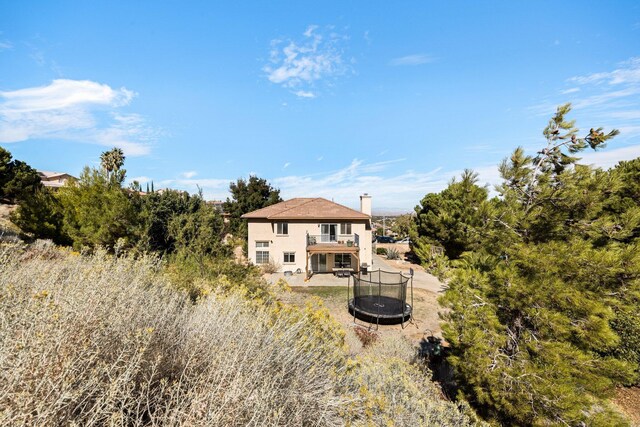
[289,255]
[328,237]
[345,228]
[282,228]
[260,257]
[262,243]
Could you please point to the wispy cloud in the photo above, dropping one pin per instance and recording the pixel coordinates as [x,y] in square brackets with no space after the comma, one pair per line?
[609,98]
[627,73]
[189,174]
[299,65]
[286,165]
[415,59]
[609,158]
[392,185]
[606,97]
[76,110]
[5,45]
[396,187]
[305,94]
[626,115]
[570,90]
[400,190]
[367,37]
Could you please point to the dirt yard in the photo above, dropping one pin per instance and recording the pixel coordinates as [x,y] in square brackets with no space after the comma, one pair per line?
[425,310]
[628,399]
[333,292]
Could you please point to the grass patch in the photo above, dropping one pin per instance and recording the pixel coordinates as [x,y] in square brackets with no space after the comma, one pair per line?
[324,292]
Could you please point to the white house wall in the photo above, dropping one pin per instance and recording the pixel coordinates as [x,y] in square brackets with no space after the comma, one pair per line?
[296,241]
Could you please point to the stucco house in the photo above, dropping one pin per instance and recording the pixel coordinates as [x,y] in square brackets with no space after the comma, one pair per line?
[54,180]
[311,235]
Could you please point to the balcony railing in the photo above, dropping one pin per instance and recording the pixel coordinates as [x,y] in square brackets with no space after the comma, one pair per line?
[335,239]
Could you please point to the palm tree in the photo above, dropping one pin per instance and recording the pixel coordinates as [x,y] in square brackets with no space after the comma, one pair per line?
[111,161]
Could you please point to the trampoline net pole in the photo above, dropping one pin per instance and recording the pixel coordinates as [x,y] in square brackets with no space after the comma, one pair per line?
[379,295]
[412,296]
[403,296]
[348,283]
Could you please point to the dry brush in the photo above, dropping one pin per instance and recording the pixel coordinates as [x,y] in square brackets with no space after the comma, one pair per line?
[100,340]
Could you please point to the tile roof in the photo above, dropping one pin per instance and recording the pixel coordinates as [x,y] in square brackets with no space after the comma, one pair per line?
[306,208]
[51,175]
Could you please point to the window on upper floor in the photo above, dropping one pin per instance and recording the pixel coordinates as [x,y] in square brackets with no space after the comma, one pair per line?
[345,228]
[282,228]
[262,244]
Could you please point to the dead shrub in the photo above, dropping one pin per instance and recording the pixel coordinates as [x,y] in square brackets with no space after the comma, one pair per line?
[99,340]
[365,336]
[270,267]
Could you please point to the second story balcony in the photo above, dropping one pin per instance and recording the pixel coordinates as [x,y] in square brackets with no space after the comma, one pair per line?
[337,240]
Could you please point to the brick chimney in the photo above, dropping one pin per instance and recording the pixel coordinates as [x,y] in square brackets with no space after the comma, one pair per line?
[365,204]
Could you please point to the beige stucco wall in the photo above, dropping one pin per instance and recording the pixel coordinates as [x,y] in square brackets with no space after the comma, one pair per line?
[296,241]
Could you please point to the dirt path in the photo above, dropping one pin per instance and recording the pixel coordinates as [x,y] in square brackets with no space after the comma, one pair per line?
[421,279]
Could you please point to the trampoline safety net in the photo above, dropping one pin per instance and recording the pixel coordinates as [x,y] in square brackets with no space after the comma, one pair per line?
[381,297]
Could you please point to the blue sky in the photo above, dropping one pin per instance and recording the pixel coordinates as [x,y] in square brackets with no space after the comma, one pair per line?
[328,99]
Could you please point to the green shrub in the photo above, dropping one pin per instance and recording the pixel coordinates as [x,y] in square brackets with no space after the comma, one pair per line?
[381,251]
[393,253]
[40,215]
[201,275]
[627,325]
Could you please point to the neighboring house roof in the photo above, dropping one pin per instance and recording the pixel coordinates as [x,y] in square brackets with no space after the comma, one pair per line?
[47,175]
[53,184]
[306,208]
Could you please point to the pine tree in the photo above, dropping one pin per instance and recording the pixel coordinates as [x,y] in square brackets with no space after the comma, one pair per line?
[246,196]
[538,311]
[451,218]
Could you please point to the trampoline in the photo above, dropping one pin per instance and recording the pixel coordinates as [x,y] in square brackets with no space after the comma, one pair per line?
[380,297]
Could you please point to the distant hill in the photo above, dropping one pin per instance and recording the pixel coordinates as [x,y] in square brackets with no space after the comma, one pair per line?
[390,211]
